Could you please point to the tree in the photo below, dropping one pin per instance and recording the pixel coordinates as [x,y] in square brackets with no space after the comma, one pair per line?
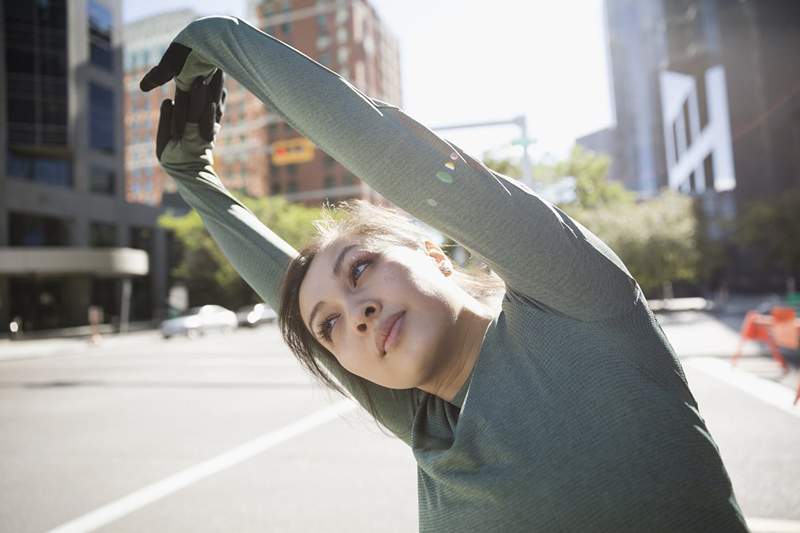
[772,228]
[593,189]
[207,273]
[656,239]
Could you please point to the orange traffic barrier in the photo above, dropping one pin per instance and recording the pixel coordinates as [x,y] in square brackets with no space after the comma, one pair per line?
[779,329]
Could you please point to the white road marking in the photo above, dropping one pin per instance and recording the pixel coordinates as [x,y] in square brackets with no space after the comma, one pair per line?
[765,390]
[773,525]
[147,495]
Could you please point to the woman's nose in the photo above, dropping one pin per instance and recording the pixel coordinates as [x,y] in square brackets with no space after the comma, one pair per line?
[368,315]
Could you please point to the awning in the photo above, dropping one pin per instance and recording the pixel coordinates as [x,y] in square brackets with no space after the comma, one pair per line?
[112,262]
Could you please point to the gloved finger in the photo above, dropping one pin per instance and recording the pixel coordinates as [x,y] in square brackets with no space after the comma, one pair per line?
[206,122]
[218,109]
[168,67]
[221,105]
[197,100]
[216,86]
[164,131]
[180,113]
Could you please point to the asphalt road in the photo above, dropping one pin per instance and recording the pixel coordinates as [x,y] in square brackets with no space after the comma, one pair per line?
[227,433]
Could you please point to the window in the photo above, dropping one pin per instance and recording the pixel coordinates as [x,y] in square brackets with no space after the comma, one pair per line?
[102,235]
[275,189]
[34,230]
[101,118]
[41,170]
[102,180]
[36,72]
[291,187]
[325,59]
[330,182]
[100,51]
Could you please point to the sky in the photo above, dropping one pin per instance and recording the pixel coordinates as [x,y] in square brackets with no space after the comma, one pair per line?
[471,61]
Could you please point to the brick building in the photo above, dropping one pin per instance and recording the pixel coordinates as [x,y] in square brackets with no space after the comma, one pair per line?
[240,156]
[257,152]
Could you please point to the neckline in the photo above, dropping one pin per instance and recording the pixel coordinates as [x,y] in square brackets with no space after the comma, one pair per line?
[460,399]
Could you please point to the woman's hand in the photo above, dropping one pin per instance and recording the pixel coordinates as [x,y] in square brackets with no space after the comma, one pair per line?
[202,104]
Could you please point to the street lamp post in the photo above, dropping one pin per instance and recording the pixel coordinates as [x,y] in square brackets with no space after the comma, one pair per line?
[524,141]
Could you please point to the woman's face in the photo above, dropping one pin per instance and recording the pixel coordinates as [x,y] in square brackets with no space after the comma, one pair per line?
[350,310]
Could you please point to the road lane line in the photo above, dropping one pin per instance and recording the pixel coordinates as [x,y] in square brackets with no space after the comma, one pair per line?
[765,390]
[773,525]
[149,494]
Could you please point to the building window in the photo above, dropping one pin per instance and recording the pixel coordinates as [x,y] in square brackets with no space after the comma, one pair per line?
[325,58]
[36,72]
[102,180]
[39,169]
[100,51]
[322,24]
[33,230]
[330,182]
[102,235]
[275,188]
[291,186]
[101,118]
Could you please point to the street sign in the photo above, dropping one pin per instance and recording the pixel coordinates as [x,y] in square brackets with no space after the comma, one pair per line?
[290,151]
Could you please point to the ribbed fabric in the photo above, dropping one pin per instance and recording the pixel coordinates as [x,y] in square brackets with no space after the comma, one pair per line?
[577,416]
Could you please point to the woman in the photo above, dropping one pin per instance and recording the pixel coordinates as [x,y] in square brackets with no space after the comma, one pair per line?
[563,408]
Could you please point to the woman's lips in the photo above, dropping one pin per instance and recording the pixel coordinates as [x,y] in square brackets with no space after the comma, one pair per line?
[394,333]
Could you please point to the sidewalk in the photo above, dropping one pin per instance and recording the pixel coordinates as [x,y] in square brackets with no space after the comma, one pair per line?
[24,349]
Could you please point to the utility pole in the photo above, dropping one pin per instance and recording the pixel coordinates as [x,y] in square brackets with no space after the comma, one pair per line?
[524,141]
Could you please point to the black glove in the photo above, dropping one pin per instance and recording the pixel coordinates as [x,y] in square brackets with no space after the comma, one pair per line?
[203,104]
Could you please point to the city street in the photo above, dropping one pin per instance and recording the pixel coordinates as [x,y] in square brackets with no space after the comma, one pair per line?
[227,433]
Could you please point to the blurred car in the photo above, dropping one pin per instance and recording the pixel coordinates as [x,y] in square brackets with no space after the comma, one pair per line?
[200,320]
[253,315]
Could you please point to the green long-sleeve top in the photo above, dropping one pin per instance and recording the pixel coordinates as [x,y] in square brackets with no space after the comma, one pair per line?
[577,415]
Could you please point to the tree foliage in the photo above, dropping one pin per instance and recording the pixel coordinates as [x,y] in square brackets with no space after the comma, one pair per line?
[656,239]
[207,273]
[772,227]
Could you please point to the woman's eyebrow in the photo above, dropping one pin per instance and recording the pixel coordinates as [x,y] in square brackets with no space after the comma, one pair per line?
[337,267]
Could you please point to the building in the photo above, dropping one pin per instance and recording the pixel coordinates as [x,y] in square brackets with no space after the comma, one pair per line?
[635,141]
[68,238]
[707,102]
[257,152]
[348,37]
[706,97]
[240,155]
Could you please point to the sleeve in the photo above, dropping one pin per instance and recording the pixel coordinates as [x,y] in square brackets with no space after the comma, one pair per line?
[261,258]
[540,252]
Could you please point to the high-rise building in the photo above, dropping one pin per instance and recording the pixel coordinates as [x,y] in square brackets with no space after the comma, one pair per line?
[635,141]
[68,238]
[706,98]
[348,37]
[240,155]
[707,102]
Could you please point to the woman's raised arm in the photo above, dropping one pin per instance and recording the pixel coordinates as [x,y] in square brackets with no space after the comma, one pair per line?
[184,148]
[539,251]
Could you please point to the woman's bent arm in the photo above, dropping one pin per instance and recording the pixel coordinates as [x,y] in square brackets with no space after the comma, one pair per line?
[539,251]
[261,257]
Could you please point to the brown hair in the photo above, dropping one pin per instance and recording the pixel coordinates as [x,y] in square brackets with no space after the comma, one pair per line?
[379,226]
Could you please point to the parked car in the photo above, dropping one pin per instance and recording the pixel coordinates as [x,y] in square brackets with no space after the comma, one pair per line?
[199,320]
[253,315]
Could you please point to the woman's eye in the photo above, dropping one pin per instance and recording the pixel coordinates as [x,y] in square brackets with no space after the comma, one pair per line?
[355,273]
[325,329]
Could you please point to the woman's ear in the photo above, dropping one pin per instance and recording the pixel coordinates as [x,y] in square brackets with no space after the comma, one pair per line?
[435,252]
